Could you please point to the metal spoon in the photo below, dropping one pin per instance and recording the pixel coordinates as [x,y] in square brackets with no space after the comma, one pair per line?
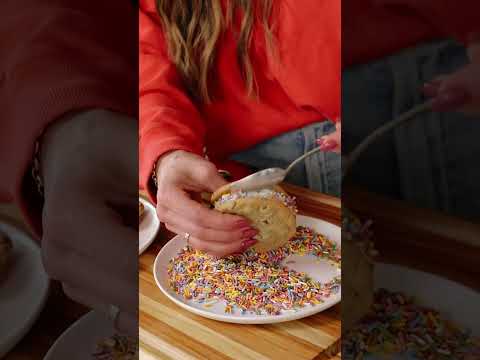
[273,176]
[349,160]
[261,179]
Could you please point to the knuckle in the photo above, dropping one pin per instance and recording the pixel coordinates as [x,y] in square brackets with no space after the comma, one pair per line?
[162,213]
[198,244]
[196,218]
[207,171]
[203,234]
[170,227]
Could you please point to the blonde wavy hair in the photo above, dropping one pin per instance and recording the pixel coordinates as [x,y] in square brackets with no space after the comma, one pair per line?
[193,28]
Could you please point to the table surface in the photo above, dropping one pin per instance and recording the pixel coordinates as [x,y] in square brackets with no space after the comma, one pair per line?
[170,332]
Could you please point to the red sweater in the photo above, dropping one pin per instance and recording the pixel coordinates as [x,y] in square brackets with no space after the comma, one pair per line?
[302,87]
[376,28]
[299,88]
[64,55]
[58,56]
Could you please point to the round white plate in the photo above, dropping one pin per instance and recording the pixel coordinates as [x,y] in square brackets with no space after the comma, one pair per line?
[434,292]
[79,341]
[23,291]
[319,270]
[148,227]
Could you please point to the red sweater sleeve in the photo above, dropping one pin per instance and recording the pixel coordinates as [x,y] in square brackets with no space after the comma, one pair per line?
[58,56]
[452,18]
[169,120]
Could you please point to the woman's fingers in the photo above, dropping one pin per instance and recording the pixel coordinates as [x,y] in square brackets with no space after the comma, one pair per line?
[178,202]
[332,142]
[99,234]
[220,249]
[215,248]
[207,234]
[100,283]
[459,90]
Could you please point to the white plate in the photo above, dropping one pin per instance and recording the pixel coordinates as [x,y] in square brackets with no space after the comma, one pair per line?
[79,341]
[453,300]
[319,270]
[24,290]
[148,227]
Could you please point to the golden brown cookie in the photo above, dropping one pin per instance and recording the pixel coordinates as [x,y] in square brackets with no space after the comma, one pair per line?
[358,255]
[5,254]
[271,211]
[358,286]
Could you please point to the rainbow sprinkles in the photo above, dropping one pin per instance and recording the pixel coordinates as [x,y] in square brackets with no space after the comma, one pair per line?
[255,282]
[287,200]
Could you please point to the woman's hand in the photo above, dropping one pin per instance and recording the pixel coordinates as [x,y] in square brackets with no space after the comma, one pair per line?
[460,90]
[90,175]
[180,172]
[333,141]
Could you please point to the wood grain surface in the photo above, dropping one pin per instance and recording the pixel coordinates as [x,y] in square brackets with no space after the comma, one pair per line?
[170,332]
[419,238]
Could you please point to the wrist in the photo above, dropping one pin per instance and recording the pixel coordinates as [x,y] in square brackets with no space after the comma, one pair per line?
[57,140]
[162,159]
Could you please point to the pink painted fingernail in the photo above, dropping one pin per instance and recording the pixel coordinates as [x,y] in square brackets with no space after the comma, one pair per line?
[328,145]
[450,100]
[248,233]
[247,243]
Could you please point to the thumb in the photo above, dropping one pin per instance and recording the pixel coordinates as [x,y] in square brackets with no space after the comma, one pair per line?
[208,177]
[216,182]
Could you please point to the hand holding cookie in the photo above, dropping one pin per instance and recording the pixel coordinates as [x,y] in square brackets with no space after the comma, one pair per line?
[87,243]
[180,172]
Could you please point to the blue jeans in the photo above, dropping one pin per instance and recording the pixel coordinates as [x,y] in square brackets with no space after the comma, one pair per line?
[431,161]
[320,172]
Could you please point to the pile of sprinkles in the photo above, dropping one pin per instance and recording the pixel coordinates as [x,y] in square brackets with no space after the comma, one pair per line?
[288,201]
[255,282]
[396,325]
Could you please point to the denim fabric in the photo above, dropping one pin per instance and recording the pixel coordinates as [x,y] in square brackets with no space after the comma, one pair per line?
[320,172]
[431,161]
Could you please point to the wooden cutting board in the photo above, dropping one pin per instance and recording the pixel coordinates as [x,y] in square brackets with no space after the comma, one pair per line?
[170,332]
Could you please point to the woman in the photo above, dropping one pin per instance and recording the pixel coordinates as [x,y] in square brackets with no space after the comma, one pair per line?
[253,81]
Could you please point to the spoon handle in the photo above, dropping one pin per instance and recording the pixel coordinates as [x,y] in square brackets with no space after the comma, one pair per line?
[296,161]
[360,148]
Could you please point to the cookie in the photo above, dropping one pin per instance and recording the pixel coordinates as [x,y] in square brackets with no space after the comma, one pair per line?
[358,255]
[5,254]
[271,211]
[357,287]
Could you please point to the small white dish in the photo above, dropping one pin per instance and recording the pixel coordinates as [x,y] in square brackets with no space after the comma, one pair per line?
[434,292]
[319,269]
[148,227]
[24,290]
[79,341]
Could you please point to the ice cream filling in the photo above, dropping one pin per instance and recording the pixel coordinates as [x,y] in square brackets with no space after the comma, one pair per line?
[287,200]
